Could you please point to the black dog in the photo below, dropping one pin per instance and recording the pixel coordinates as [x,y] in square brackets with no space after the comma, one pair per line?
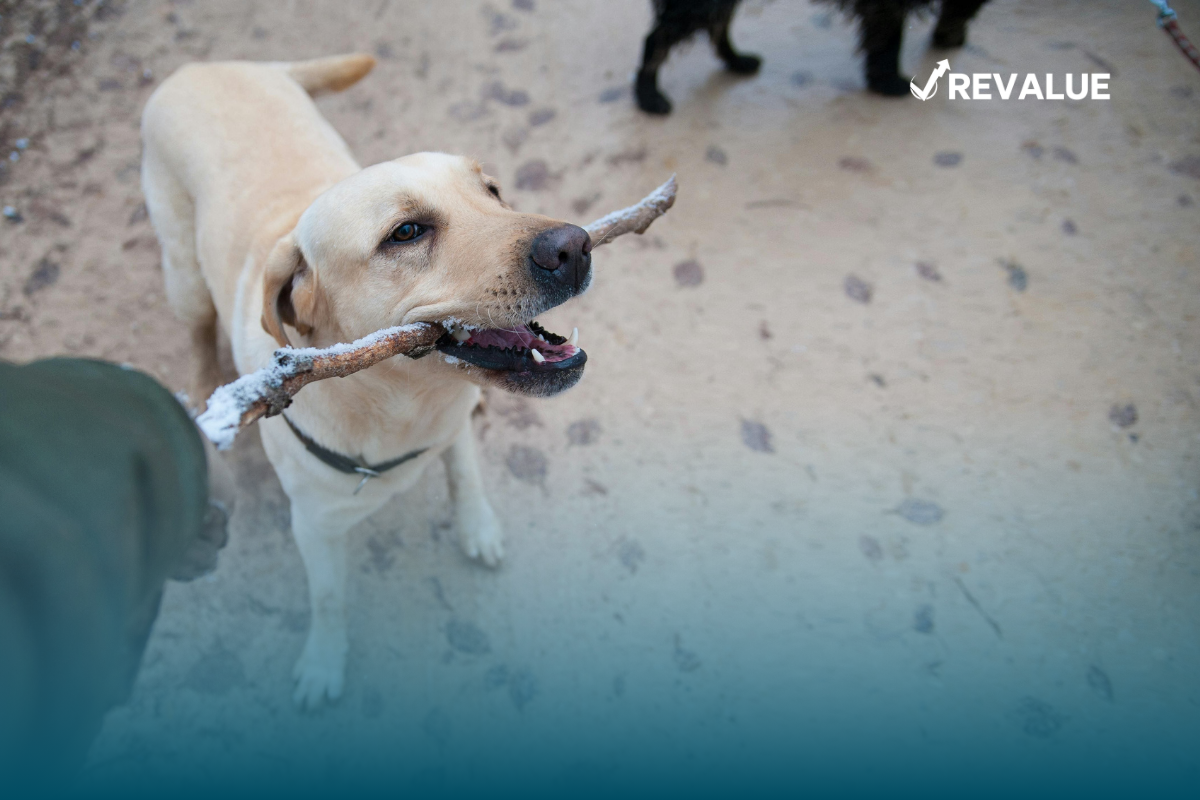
[676,20]
[881,29]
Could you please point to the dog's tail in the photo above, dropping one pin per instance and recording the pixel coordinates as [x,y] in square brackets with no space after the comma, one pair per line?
[323,75]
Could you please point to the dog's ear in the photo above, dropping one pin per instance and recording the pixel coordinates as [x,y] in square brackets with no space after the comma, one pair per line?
[289,291]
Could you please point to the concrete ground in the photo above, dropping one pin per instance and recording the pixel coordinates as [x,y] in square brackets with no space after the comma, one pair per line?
[889,431]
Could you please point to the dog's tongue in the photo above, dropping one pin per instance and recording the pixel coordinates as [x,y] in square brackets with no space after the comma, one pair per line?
[521,337]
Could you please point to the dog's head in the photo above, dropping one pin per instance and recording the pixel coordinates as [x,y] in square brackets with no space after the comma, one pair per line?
[427,238]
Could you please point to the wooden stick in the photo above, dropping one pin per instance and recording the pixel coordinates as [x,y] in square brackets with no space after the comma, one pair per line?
[270,390]
[635,219]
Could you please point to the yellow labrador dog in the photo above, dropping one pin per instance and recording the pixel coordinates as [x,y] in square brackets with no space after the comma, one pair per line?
[269,228]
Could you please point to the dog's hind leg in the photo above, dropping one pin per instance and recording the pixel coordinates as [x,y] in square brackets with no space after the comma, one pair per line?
[718,32]
[173,215]
[951,30]
[658,46]
[479,531]
[881,28]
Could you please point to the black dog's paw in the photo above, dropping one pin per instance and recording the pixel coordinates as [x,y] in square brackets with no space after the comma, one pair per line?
[950,35]
[744,64]
[888,85]
[651,100]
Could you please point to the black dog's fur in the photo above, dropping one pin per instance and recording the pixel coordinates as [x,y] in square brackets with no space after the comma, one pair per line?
[881,29]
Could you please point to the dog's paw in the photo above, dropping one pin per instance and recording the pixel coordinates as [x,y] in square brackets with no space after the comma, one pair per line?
[744,64]
[950,34]
[480,534]
[320,673]
[887,85]
[649,98]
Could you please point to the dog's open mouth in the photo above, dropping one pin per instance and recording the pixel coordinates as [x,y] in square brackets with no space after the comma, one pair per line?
[528,359]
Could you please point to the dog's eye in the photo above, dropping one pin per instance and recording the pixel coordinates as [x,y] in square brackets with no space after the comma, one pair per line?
[495,190]
[407,232]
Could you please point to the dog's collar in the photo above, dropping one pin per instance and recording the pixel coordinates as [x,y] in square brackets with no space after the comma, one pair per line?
[346,464]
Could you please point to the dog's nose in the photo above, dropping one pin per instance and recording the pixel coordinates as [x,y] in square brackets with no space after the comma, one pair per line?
[565,253]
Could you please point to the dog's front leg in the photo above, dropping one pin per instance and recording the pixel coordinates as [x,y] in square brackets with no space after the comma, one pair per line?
[479,531]
[321,537]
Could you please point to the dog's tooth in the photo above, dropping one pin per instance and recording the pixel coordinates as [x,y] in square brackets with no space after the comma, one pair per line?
[460,334]
[538,357]
[574,340]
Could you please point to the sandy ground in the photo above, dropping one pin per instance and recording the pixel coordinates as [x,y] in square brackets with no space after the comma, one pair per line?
[890,426]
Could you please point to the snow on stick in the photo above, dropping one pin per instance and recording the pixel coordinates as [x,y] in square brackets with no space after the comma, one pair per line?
[634,219]
[269,391]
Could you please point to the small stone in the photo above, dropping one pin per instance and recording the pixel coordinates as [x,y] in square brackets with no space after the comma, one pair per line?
[522,688]
[1063,154]
[1032,149]
[496,91]
[716,155]
[496,677]
[688,273]
[583,432]
[1018,279]
[920,512]
[510,45]
[45,274]
[613,94]
[857,289]
[801,79]
[1123,416]
[685,660]
[1038,718]
[498,23]
[756,436]
[870,548]
[1184,200]
[12,215]
[947,158]
[1099,682]
[1188,166]
[541,116]
[580,205]
[466,637]
[855,164]
[533,176]
[928,271]
[1068,227]
[527,464]
[923,619]
[630,554]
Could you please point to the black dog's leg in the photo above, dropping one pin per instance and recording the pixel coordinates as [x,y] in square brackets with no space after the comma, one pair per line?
[718,32]
[658,47]
[951,30]
[882,30]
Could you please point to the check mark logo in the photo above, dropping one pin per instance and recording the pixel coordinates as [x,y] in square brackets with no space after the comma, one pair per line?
[930,89]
